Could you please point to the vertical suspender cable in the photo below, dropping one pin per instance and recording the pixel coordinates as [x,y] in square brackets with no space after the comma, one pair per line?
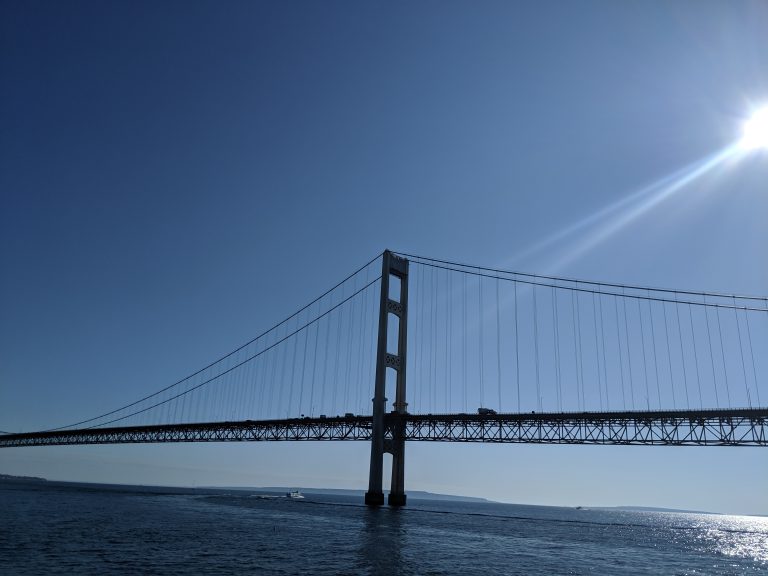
[645,363]
[274,355]
[556,337]
[629,351]
[422,338]
[303,372]
[752,355]
[464,338]
[517,353]
[237,376]
[314,366]
[368,334]
[348,395]
[602,339]
[339,316]
[481,314]
[428,341]
[536,348]
[621,359]
[431,359]
[245,379]
[653,347]
[361,355]
[293,372]
[417,337]
[597,352]
[711,355]
[449,334]
[741,350]
[283,368]
[695,356]
[682,354]
[575,348]
[498,344]
[669,354]
[434,338]
[326,346]
[579,343]
[722,353]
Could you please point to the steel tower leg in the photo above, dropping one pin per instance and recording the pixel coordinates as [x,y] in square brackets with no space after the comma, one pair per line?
[397,488]
[375,496]
[391,266]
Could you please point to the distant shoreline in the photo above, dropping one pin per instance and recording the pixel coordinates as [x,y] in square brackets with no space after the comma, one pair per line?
[11,478]
[412,494]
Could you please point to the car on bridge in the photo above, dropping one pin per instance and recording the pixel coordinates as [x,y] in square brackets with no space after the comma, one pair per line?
[486,411]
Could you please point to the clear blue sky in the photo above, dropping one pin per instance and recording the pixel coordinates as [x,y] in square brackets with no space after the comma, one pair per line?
[176,177]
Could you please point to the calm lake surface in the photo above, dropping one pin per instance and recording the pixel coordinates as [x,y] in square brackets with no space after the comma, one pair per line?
[55,528]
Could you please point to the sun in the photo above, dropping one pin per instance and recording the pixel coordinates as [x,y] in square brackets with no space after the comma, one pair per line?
[755,132]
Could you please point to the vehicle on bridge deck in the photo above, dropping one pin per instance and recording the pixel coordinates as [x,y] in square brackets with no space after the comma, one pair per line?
[486,411]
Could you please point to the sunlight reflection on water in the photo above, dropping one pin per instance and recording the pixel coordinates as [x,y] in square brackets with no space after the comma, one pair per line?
[55,529]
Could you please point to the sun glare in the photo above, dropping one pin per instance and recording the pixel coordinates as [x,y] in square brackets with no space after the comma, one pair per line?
[598,227]
[755,134]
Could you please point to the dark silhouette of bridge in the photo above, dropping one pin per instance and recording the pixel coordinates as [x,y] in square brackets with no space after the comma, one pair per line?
[488,356]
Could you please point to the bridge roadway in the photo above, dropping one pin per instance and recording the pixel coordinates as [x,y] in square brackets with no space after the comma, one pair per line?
[735,427]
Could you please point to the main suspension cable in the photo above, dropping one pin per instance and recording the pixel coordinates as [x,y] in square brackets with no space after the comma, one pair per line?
[236,350]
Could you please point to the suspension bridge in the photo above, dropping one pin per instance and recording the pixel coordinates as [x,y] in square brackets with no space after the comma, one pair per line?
[469,354]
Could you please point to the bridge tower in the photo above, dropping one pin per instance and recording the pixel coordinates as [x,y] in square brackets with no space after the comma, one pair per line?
[397,306]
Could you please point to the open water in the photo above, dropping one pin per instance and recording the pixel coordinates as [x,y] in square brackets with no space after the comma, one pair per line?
[56,528]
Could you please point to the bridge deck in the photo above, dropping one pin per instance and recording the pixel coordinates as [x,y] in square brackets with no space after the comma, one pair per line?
[739,427]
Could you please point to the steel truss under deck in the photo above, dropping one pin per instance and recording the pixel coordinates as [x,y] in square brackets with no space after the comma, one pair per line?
[747,427]
[744,427]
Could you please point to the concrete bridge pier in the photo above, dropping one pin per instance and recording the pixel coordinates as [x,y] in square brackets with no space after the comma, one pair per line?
[397,488]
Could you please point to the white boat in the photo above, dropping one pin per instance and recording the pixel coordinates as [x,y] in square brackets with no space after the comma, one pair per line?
[294,494]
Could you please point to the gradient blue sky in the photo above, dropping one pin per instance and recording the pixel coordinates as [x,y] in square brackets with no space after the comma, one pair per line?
[178,176]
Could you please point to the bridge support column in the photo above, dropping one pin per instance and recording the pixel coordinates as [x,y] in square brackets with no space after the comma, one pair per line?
[397,488]
[395,444]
